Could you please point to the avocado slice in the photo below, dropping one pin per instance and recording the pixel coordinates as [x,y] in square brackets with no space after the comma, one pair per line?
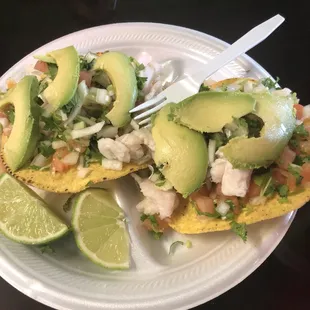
[180,153]
[279,120]
[211,111]
[23,139]
[63,87]
[122,75]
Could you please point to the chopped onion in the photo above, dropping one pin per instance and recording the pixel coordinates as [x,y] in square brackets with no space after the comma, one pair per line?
[208,82]
[39,161]
[108,132]
[248,87]
[282,92]
[79,97]
[222,208]
[233,87]
[259,88]
[89,57]
[83,172]
[88,131]
[154,177]
[58,144]
[86,120]
[112,164]
[103,97]
[259,200]
[211,150]
[63,115]
[71,159]
[134,125]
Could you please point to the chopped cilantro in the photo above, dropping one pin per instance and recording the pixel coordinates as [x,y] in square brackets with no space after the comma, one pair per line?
[294,142]
[204,88]
[140,82]
[10,113]
[301,131]
[300,160]
[269,83]
[143,217]
[85,65]
[239,127]
[213,215]
[265,182]
[152,219]
[171,116]
[239,229]
[283,200]
[33,167]
[52,70]
[156,234]
[255,125]
[46,248]
[42,86]
[90,183]
[283,190]
[51,123]
[174,245]
[220,139]
[45,150]
[295,171]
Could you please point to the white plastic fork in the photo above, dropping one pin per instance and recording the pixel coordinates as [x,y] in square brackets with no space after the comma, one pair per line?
[190,85]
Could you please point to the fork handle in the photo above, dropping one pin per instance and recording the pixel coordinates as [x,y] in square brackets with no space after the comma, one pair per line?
[245,43]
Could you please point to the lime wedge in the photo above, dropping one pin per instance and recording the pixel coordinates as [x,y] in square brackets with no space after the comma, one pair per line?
[24,216]
[99,229]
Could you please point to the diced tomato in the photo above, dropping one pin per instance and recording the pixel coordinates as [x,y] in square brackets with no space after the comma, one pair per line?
[57,164]
[299,110]
[218,189]
[161,224]
[10,83]
[279,175]
[235,201]
[305,147]
[77,146]
[85,76]
[41,66]
[204,204]
[7,131]
[286,158]
[2,115]
[203,191]
[305,173]
[291,182]
[254,190]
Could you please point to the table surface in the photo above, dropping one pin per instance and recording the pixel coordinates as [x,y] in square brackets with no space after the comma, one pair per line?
[282,282]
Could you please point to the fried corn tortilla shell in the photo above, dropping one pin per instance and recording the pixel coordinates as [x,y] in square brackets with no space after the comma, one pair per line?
[187,221]
[69,182]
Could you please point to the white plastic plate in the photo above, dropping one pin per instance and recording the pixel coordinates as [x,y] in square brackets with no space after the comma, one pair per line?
[156,280]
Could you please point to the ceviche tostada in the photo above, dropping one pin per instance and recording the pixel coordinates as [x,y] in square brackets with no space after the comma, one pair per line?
[235,153]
